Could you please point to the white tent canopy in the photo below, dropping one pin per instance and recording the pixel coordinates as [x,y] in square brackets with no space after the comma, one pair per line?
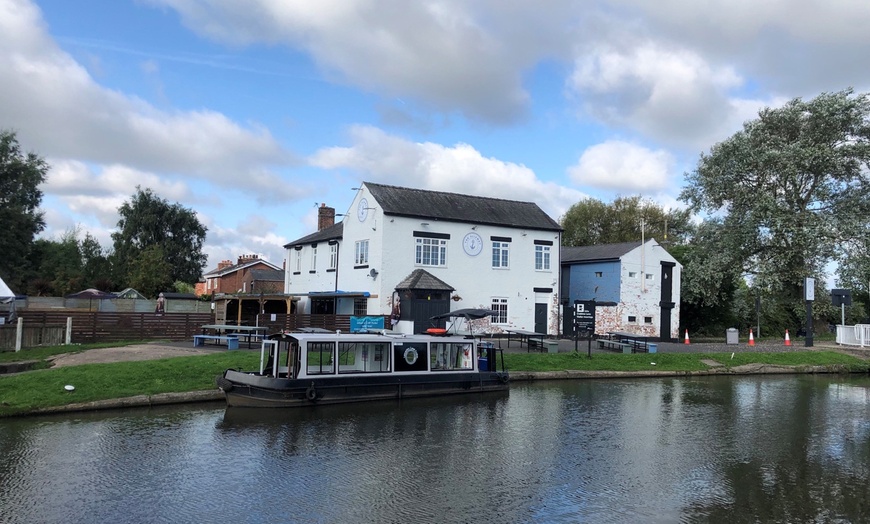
[5,292]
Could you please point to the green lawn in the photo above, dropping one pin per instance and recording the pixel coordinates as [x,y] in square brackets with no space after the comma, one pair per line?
[25,392]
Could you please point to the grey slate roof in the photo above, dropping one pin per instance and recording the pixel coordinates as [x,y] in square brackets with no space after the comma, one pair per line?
[267,275]
[332,232]
[599,253]
[422,279]
[453,207]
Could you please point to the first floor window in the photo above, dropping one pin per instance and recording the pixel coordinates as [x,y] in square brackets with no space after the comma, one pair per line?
[500,306]
[313,258]
[500,254]
[361,253]
[333,256]
[431,252]
[298,260]
[542,258]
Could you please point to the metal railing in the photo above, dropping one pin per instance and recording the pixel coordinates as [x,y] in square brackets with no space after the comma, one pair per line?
[857,335]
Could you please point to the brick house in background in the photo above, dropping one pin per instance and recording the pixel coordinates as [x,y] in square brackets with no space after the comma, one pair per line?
[249,274]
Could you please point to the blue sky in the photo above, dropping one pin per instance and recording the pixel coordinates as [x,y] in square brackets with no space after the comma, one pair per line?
[254,113]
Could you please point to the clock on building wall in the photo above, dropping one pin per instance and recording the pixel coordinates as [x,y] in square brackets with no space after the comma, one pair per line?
[472,244]
[362,210]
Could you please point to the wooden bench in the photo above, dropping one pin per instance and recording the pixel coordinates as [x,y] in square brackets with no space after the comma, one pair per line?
[613,344]
[231,340]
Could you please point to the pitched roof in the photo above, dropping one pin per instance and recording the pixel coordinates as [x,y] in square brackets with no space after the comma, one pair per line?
[597,253]
[267,275]
[422,279]
[332,232]
[453,207]
[248,263]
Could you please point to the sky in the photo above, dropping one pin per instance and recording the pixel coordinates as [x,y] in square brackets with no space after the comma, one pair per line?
[252,114]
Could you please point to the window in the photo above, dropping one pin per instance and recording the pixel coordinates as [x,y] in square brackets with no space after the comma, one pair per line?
[632,318]
[542,258]
[500,306]
[361,253]
[333,256]
[649,276]
[647,320]
[500,251]
[447,357]
[431,252]
[599,274]
[360,307]
[313,258]
[320,358]
[298,261]
[632,274]
[363,357]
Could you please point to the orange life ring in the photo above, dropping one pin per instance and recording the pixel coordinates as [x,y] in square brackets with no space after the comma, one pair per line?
[436,331]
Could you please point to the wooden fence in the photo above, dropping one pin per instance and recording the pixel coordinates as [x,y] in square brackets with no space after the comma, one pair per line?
[101,326]
[31,336]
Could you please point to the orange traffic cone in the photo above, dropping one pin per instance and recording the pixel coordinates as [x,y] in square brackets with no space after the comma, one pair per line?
[687,337]
[787,340]
[751,338]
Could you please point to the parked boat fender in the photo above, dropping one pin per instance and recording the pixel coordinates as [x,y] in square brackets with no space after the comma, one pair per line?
[223,384]
[503,378]
[311,393]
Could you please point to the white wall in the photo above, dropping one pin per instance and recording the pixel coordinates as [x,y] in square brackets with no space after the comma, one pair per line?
[640,297]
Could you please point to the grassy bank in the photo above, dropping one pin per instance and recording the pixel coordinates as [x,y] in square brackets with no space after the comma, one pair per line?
[44,388]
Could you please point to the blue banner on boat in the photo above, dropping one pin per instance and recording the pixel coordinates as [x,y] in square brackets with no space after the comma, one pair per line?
[363,324]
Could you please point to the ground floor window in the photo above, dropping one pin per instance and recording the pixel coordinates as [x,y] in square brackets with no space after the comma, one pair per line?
[363,357]
[500,306]
[447,357]
[320,361]
[360,307]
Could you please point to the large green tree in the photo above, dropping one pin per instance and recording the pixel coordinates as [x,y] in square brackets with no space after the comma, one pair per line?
[20,218]
[591,221]
[785,193]
[148,220]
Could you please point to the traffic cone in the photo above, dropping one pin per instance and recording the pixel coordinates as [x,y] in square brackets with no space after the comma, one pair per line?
[751,338]
[687,338]
[787,340]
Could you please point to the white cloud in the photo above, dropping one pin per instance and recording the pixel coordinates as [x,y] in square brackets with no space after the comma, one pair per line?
[624,167]
[385,158]
[56,108]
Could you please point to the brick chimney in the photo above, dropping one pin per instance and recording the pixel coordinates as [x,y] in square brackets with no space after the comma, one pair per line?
[325,217]
[244,259]
[223,264]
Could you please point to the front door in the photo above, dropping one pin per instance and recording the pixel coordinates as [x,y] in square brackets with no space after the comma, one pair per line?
[422,305]
[540,318]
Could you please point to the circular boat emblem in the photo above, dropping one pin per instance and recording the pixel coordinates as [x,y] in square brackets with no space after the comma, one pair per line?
[411,356]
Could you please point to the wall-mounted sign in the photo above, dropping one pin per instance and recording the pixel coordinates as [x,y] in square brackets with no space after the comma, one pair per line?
[363,324]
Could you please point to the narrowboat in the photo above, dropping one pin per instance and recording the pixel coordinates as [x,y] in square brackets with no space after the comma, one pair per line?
[304,369]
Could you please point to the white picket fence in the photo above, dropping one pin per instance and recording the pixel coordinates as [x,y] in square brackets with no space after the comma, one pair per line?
[857,335]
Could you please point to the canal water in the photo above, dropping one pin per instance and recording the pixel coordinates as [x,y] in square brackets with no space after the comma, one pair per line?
[720,449]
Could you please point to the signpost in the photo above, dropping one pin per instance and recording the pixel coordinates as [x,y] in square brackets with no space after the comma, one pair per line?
[584,321]
[809,296]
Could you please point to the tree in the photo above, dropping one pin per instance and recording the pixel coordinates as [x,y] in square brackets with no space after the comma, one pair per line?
[20,196]
[786,191]
[150,273]
[148,220]
[590,222]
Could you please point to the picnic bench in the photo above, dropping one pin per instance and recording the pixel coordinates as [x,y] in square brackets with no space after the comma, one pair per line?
[231,340]
[604,343]
[637,343]
[532,339]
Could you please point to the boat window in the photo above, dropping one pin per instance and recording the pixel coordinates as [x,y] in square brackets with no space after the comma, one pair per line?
[450,356]
[320,360]
[363,357]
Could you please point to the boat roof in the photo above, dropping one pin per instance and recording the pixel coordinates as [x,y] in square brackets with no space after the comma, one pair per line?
[376,336]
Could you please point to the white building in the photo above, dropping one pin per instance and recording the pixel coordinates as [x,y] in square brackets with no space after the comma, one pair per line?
[414,254]
[639,281]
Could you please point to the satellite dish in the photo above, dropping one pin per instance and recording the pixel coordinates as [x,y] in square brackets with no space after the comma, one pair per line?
[373,273]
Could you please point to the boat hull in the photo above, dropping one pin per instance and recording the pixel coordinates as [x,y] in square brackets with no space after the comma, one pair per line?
[247,389]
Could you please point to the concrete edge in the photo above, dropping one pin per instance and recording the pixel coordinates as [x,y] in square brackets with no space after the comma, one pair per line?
[215,395]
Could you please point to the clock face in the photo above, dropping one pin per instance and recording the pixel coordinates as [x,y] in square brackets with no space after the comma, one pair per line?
[472,244]
[362,210]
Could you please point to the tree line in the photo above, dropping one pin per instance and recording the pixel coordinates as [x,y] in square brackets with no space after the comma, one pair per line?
[782,199]
[157,245]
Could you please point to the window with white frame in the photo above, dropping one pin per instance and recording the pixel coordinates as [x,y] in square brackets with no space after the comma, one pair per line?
[313,257]
[542,258]
[500,306]
[500,254]
[431,252]
[333,255]
[632,274]
[298,261]
[361,253]
[650,276]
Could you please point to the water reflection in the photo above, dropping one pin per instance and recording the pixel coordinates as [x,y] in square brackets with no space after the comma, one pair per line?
[774,449]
